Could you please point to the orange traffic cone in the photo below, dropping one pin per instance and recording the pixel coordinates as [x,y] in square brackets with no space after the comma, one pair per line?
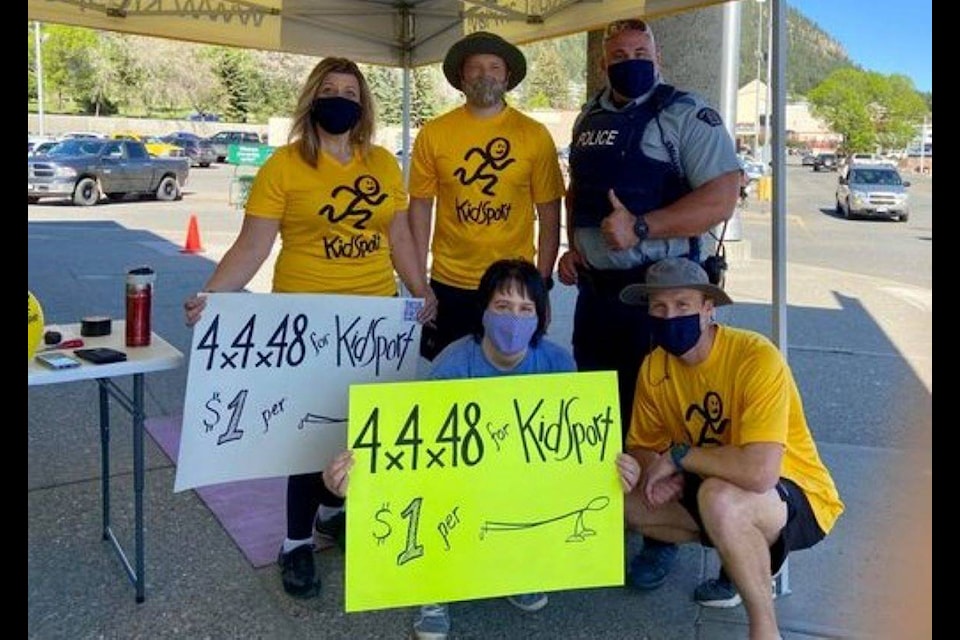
[193,237]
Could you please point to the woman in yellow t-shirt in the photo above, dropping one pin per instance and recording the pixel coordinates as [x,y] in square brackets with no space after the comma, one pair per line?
[339,204]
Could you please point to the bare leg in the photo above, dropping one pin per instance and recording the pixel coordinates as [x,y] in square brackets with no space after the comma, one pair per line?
[742,525]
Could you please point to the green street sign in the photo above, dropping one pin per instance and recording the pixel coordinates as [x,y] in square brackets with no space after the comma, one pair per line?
[250,155]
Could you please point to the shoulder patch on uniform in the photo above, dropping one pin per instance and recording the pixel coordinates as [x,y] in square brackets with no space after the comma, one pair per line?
[709,116]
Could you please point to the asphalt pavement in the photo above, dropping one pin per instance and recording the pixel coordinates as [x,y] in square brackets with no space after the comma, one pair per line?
[860,348]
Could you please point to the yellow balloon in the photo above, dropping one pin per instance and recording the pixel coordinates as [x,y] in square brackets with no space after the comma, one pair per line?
[34,324]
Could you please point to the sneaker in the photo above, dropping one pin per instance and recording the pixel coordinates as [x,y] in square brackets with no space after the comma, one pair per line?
[717,592]
[721,593]
[529,601]
[299,575]
[650,567]
[332,531]
[432,622]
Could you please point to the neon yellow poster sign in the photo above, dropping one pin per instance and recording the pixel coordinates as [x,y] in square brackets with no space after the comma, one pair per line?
[465,489]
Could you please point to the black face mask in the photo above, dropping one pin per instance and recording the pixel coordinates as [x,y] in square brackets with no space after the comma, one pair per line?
[335,115]
[632,78]
[678,334]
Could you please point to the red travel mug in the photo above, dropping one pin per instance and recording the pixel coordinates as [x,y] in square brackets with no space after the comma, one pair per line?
[139,305]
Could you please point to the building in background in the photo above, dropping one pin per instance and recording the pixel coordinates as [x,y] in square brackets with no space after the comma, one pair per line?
[801,126]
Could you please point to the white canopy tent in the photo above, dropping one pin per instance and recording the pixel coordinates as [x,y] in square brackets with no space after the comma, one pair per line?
[407,34]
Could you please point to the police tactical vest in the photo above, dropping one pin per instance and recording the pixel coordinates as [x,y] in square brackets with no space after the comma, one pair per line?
[606,151]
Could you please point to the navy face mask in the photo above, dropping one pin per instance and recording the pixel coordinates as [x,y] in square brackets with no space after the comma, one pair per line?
[676,335]
[632,78]
[334,114]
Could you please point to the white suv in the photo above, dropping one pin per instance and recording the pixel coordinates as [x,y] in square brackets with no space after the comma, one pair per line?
[873,191]
[222,140]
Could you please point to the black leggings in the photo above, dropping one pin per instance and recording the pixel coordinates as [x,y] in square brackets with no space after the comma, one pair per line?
[610,335]
[305,493]
[457,314]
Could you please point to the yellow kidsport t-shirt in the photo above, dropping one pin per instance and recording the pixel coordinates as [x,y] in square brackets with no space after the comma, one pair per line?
[334,220]
[487,175]
[743,392]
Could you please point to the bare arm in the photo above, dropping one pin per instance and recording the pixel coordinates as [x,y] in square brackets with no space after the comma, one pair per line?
[698,211]
[570,260]
[403,253]
[753,467]
[239,264]
[548,240]
[421,219]
[245,257]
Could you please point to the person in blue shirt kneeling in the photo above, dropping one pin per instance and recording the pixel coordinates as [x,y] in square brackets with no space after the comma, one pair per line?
[508,339]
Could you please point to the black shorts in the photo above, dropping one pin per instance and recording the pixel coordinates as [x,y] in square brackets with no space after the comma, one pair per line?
[800,532]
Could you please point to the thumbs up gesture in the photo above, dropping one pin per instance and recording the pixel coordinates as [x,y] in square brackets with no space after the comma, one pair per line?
[617,227]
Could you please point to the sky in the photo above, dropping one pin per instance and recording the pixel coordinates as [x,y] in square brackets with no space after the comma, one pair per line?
[886,36]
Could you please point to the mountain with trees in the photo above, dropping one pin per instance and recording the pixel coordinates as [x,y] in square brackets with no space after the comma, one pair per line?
[812,54]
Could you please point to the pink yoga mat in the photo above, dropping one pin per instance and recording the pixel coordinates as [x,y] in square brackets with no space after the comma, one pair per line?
[252,512]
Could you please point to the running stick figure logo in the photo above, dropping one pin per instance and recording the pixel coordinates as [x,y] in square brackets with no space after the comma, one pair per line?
[494,156]
[714,424]
[365,191]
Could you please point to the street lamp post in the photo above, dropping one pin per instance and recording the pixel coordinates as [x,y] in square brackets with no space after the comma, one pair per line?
[756,93]
[768,96]
[39,57]
[923,142]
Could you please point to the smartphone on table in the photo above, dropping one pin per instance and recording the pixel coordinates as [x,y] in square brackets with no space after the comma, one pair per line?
[57,360]
[100,355]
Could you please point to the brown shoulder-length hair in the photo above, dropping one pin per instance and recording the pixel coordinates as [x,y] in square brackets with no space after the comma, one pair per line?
[304,133]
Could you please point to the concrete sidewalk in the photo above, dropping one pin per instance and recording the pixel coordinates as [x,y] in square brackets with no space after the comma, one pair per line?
[861,351]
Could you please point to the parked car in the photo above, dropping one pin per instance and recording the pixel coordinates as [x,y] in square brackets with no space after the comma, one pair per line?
[825,162]
[155,146]
[203,117]
[808,160]
[222,140]
[82,135]
[198,149]
[874,191]
[41,148]
[754,169]
[860,158]
[85,170]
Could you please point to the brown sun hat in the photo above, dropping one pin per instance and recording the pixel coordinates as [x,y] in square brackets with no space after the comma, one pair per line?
[484,42]
[674,273]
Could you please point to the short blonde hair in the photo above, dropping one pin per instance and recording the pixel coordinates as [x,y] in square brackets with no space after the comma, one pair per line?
[630,24]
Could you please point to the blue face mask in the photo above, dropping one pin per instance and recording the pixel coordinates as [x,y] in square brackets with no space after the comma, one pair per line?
[335,115]
[510,334]
[632,78]
[676,335]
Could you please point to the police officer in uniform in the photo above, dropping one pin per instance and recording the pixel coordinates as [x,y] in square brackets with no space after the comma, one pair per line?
[652,169]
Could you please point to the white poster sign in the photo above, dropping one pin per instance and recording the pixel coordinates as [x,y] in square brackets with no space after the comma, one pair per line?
[269,379]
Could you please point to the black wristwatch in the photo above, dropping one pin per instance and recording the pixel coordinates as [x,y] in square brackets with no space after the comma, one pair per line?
[641,229]
[677,453]
[548,283]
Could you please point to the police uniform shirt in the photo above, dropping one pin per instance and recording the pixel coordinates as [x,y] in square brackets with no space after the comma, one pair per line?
[334,220]
[487,175]
[705,151]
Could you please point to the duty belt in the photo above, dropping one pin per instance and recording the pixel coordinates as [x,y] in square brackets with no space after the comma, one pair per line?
[610,282]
